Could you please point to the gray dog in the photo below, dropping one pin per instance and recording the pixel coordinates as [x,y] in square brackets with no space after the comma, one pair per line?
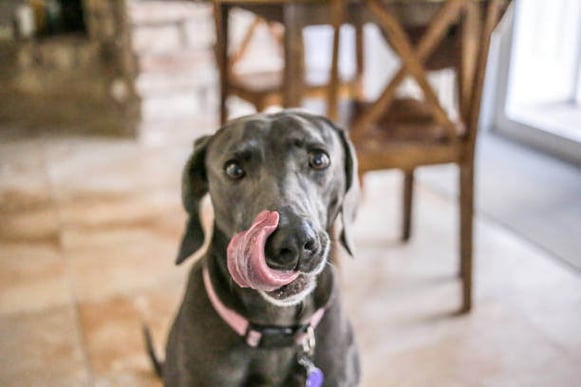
[262,308]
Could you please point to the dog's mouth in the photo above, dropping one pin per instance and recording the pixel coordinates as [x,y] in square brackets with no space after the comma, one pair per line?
[293,292]
[248,268]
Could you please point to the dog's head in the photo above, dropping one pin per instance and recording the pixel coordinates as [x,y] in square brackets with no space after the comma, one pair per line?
[277,183]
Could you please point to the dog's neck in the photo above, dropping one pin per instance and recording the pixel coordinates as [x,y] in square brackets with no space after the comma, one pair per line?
[249,303]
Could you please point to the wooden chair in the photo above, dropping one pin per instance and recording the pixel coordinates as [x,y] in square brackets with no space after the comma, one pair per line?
[288,86]
[408,133]
[242,50]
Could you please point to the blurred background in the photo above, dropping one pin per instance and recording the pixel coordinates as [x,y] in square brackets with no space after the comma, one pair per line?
[100,101]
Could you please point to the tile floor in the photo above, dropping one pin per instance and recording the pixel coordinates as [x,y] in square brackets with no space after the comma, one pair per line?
[88,233]
[526,191]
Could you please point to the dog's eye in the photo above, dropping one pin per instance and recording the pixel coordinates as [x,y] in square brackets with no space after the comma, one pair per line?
[234,170]
[319,160]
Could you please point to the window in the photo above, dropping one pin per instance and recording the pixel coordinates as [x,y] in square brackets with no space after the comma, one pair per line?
[541,100]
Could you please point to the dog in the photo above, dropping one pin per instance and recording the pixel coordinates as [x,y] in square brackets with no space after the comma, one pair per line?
[262,306]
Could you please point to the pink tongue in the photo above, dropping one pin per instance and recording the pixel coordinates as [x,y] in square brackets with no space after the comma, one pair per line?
[246,260]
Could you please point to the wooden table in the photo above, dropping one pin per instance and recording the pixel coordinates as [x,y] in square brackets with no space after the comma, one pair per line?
[295,15]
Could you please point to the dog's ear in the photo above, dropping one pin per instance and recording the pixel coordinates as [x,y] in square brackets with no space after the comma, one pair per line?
[350,201]
[194,187]
[351,198]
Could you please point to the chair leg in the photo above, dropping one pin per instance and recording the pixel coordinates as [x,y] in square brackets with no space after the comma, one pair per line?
[333,84]
[360,62]
[408,191]
[466,233]
[221,16]
[260,105]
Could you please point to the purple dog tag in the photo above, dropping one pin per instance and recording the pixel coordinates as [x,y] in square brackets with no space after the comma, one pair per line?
[314,377]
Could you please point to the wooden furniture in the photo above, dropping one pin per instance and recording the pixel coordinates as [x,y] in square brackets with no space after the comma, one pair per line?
[408,133]
[288,86]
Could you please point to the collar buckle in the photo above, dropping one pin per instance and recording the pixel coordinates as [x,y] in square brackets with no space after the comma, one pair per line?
[308,341]
[264,336]
[253,338]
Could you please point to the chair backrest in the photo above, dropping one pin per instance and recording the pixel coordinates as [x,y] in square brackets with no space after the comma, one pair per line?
[472,32]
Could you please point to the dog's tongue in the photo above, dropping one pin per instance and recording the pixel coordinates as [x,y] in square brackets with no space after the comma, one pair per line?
[246,259]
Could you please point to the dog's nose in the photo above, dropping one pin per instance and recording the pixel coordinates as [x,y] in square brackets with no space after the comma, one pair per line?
[292,245]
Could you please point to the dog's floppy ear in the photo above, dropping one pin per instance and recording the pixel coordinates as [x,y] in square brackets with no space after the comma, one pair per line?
[194,187]
[351,198]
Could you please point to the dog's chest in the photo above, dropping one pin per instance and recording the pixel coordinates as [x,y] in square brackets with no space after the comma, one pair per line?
[275,367]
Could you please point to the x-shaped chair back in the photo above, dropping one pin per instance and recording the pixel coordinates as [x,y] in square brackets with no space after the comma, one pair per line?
[475,39]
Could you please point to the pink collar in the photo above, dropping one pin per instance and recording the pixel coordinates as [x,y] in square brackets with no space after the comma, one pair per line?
[301,335]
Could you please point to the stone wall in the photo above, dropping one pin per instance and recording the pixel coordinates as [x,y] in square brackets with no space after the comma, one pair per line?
[79,82]
[140,63]
[176,75]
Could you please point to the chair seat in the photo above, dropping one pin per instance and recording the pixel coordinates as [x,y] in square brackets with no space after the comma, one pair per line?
[406,120]
[407,135]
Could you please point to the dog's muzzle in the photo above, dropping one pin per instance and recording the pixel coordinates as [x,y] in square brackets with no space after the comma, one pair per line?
[295,245]
[246,256]
[277,252]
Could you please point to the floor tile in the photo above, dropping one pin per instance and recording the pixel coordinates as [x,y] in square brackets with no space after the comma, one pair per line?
[473,351]
[26,205]
[118,261]
[113,332]
[407,327]
[33,277]
[24,183]
[529,192]
[83,170]
[42,349]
